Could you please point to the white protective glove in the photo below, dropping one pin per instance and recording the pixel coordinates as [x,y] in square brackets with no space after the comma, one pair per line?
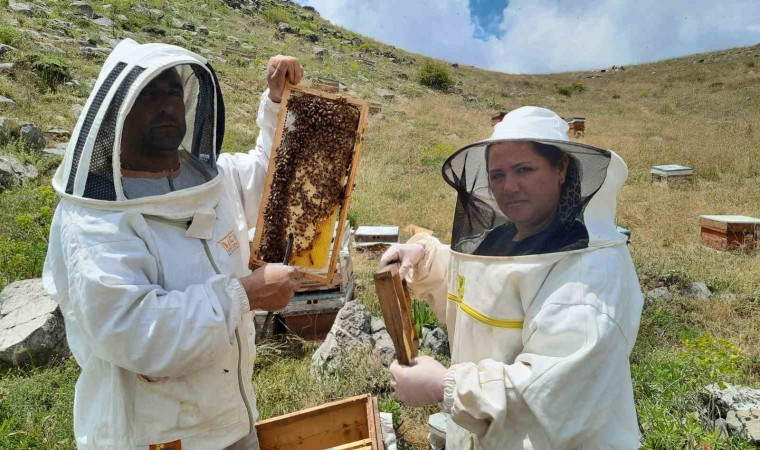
[421,383]
[408,255]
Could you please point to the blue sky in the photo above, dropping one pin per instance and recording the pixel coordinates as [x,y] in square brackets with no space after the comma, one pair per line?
[544,36]
[487,15]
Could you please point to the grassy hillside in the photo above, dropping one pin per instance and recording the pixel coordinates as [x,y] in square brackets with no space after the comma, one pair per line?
[702,111]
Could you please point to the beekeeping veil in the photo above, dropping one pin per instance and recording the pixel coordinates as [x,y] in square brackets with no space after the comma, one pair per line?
[588,195]
[91,169]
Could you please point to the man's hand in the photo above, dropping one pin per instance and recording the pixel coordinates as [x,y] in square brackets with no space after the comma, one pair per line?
[280,69]
[421,383]
[271,287]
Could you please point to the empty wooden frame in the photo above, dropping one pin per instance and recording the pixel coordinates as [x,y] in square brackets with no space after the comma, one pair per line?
[353,423]
[396,305]
[326,273]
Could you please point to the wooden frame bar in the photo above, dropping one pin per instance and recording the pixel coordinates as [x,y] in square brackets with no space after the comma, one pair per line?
[396,305]
[320,276]
[352,423]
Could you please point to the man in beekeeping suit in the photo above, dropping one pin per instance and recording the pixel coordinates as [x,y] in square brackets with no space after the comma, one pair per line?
[538,292]
[148,255]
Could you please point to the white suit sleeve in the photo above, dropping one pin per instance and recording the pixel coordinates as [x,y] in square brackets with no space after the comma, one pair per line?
[249,170]
[558,389]
[428,277]
[135,323]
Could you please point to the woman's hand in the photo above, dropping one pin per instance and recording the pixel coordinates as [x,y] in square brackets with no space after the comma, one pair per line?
[421,383]
[280,69]
[407,255]
[271,287]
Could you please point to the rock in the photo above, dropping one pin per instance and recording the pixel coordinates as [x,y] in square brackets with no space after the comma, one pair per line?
[311,37]
[387,430]
[121,18]
[32,135]
[5,101]
[31,326]
[310,9]
[95,51]
[104,22]
[385,94]
[12,22]
[455,65]
[5,132]
[20,8]
[471,98]
[376,325]
[352,330]
[155,13]
[383,347]
[283,27]
[697,290]
[363,79]
[75,110]
[660,293]
[58,150]
[203,31]
[12,171]
[45,47]
[727,297]
[731,398]
[82,9]
[745,423]
[57,133]
[187,26]
[402,76]
[4,49]
[437,341]
[178,40]
[320,52]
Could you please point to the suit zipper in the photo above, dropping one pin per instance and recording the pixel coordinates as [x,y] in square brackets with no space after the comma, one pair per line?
[239,345]
[185,223]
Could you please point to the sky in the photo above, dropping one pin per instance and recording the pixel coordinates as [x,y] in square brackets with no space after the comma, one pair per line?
[546,36]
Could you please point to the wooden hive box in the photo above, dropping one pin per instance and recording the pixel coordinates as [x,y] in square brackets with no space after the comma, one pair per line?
[728,233]
[396,305]
[307,192]
[672,174]
[353,423]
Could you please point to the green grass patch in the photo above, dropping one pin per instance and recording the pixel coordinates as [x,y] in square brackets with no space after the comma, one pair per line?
[11,36]
[435,155]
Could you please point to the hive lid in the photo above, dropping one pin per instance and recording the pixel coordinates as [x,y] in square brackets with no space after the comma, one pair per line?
[671,169]
[377,231]
[731,219]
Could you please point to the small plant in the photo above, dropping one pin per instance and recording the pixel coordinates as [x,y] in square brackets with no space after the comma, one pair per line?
[275,14]
[567,91]
[391,405]
[423,317]
[10,36]
[365,47]
[436,76]
[53,70]
[749,63]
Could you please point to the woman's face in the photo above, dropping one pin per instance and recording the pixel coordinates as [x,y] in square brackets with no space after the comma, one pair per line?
[525,185]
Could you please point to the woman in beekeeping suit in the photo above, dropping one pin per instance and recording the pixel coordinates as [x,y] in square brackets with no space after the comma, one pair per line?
[538,292]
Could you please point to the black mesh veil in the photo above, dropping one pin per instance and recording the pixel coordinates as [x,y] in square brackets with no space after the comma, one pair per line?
[477,212]
[204,116]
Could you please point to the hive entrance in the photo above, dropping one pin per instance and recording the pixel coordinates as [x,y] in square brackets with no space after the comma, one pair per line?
[309,183]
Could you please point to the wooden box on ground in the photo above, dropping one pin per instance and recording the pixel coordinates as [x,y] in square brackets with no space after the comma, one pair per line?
[353,423]
[577,126]
[396,305]
[307,192]
[727,233]
[672,174]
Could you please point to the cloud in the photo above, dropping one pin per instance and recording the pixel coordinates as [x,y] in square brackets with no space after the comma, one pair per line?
[540,36]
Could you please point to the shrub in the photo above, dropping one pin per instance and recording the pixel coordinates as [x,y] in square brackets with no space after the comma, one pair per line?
[10,36]
[567,91]
[422,316]
[436,76]
[52,70]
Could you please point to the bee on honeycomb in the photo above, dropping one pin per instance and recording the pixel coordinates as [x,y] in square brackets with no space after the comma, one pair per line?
[310,176]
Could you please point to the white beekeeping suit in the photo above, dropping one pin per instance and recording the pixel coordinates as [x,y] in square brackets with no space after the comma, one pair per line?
[540,342]
[146,275]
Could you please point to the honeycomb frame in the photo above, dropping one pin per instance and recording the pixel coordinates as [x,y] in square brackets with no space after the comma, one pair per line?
[326,274]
